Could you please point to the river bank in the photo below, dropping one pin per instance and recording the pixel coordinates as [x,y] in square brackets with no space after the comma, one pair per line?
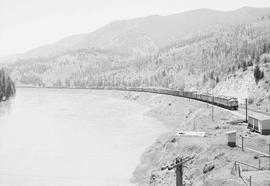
[212,150]
[174,114]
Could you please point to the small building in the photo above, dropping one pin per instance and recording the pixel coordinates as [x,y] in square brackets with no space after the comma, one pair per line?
[259,123]
[231,138]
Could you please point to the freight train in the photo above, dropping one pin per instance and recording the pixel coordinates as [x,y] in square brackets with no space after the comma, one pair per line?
[221,101]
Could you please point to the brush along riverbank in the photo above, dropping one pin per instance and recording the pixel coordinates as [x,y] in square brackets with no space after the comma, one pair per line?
[212,151]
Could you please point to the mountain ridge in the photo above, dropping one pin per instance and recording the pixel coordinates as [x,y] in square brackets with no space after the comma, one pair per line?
[157,30]
[215,55]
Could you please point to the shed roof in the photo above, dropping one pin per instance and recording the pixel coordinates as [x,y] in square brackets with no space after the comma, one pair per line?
[259,116]
[231,132]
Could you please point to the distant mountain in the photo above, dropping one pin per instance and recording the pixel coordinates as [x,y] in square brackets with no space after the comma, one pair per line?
[10,58]
[144,36]
[196,50]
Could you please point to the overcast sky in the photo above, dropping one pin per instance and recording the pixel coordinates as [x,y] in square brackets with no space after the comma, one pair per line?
[26,24]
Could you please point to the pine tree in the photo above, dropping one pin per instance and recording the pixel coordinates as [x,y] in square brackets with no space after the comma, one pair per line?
[233,69]
[253,55]
[258,74]
[212,75]
[217,80]
[244,66]
[229,70]
[239,66]
[262,74]
[264,48]
[257,59]
[250,63]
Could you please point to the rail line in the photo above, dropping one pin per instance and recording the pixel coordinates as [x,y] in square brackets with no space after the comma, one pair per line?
[230,103]
[240,112]
[253,110]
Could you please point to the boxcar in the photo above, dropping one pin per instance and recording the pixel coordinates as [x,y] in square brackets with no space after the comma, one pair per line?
[194,95]
[226,102]
[174,92]
[188,94]
[185,94]
[181,93]
[221,101]
[199,96]
[210,99]
[155,90]
[204,97]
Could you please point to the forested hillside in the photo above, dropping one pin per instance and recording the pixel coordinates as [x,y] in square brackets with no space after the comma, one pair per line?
[220,56]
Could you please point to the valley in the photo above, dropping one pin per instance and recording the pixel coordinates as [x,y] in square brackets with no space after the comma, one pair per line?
[222,53]
[219,54]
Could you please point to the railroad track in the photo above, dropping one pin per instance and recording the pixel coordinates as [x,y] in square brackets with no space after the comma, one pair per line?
[243,107]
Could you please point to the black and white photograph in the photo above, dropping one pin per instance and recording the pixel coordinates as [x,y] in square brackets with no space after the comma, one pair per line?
[134,93]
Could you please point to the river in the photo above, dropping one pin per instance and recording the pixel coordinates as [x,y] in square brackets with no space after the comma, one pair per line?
[69,137]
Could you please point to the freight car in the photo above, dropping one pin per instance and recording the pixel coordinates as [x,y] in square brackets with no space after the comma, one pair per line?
[221,101]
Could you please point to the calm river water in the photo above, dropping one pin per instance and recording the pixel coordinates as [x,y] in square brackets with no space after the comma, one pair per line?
[71,138]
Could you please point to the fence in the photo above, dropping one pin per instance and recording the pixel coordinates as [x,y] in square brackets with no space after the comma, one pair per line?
[237,170]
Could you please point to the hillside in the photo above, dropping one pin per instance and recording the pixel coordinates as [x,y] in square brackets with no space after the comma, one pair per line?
[209,151]
[196,50]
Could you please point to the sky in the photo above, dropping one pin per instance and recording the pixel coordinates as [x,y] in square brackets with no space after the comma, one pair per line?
[26,24]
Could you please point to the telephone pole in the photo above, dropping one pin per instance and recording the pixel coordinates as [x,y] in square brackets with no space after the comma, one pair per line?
[246,111]
[269,152]
[178,166]
[179,175]
[207,99]
[212,104]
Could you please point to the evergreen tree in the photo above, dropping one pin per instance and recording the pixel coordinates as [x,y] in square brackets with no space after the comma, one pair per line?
[233,69]
[244,66]
[250,63]
[253,55]
[264,48]
[257,59]
[239,66]
[229,70]
[217,80]
[258,74]
[212,75]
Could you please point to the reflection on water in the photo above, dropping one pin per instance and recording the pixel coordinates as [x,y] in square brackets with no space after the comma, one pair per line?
[71,137]
[5,106]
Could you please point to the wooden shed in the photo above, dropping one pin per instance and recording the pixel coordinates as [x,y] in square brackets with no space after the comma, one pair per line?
[231,138]
[259,122]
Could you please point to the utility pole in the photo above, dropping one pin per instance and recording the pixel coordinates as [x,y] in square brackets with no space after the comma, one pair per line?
[207,99]
[259,162]
[243,149]
[269,152]
[246,111]
[178,166]
[212,104]
[179,175]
